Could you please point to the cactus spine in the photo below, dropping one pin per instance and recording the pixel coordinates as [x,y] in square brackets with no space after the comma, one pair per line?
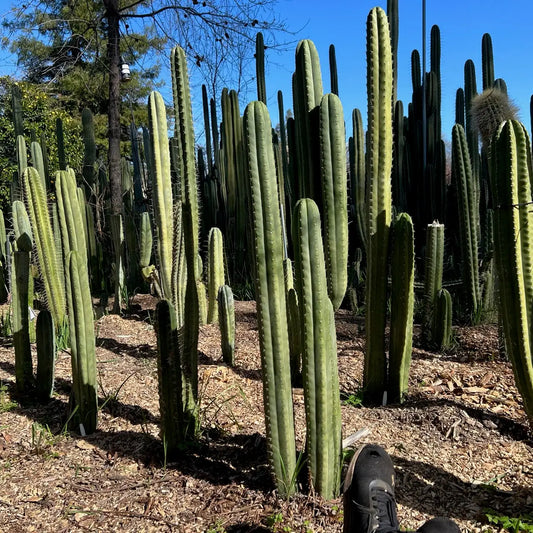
[270,294]
[319,353]
[379,166]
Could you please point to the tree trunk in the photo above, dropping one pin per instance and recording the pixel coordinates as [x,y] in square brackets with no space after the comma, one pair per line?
[113,56]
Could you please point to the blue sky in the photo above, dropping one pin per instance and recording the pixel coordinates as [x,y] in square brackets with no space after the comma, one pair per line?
[462,25]
[342,23]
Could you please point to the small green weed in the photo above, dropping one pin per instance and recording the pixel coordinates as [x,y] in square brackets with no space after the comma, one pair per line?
[217,527]
[514,525]
[5,403]
[6,325]
[355,400]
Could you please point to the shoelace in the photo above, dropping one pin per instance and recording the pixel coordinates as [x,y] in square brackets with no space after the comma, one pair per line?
[387,521]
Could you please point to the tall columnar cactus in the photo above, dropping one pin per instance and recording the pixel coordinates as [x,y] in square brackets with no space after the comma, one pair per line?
[442,323]
[468,218]
[260,67]
[433,273]
[47,253]
[20,288]
[173,427]
[82,342]
[46,354]
[358,181]
[307,93]
[319,353]
[510,175]
[270,295]
[185,132]
[162,195]
[226,320]
[333,75]
[334,195]
[379,166]
[215,272]
[71,216]
[145,240]
[487,60]
[402,305]
[38,160]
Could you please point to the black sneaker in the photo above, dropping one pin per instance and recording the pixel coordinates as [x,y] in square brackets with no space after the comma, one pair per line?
[369,504]
[439,525]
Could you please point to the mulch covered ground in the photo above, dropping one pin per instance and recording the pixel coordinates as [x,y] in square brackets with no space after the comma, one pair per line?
[461,443]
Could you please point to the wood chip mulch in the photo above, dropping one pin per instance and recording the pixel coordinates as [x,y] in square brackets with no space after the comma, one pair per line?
[461,443]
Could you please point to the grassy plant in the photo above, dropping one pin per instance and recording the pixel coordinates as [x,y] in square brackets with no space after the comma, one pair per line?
[5,403]
[6,325]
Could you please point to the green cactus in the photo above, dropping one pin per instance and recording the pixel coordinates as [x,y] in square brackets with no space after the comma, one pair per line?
[442,322]
[307,93]
[145,252]
[47,252]
[319,353]
[46,354]
[270,295]
[358,181]
[226,314]
[334,195]
[333,75]
[215,272]
[487,60]
[468,219]
[260,67]
[21,321]
[510,175]
[22,227]
[38,160]
[71,216]
[173,429]
[379,166]
[16,106]
[402,306]
[83,358]
[162,195]
[433,274]
[489,109]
